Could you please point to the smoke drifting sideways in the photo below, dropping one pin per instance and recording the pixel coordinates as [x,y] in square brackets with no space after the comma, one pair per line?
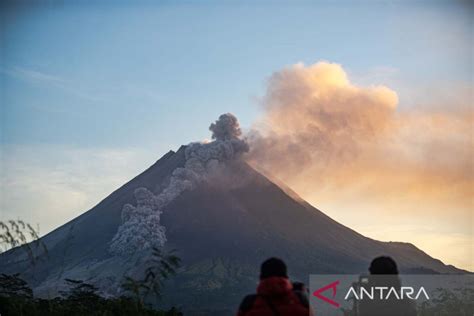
[314,118]
[141,228]
[337,143]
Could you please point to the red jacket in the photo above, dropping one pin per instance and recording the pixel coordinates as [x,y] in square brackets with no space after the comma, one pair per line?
[275,296]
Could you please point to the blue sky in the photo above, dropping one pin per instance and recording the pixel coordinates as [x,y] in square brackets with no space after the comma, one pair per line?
[116,75]
[93,93]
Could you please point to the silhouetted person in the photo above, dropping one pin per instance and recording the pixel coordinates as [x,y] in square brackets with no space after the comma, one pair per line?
[301,291]
[384,273]
[275,295]
[383,265]
[300,287]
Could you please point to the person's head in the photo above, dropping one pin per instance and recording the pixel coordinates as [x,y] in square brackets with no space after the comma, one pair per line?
[273,267]
[383,265]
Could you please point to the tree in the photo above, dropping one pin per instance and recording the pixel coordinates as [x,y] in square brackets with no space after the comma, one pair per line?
[16,233]
[15,295]
[160,266]
[81,297]
[14,286]
[137,288]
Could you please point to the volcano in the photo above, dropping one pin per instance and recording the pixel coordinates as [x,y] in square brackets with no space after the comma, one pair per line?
[223,228]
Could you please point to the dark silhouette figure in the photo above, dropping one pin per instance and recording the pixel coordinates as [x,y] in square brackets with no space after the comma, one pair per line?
[300,286]
[384,273]
[301,289]
[275,295]
[383,265]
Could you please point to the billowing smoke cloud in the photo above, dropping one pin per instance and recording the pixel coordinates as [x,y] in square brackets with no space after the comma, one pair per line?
[226,128]
[334,142]
[314,117]
[141,228]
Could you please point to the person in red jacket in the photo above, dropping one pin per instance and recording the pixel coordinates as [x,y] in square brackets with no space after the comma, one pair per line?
[275,295]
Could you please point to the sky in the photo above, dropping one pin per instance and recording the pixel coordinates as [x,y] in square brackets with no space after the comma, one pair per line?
[93,93]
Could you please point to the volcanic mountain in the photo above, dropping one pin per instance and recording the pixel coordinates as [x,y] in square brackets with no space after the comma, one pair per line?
[222,227]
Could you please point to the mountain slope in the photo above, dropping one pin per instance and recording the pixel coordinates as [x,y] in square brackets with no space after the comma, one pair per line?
[223,230]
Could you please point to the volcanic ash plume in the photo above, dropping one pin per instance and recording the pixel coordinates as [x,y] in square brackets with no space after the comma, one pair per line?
[141,228]
[343,144]
[316,119]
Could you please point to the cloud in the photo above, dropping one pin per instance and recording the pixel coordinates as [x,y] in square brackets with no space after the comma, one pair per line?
[331,140]
[314,117]
[225,128]
[51,81]
[34,75]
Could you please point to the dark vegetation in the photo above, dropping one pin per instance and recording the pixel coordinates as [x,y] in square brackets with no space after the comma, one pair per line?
[457,302]
[16,296]
[159,267]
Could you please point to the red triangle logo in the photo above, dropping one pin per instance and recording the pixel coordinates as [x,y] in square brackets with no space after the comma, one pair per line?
[333,286]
